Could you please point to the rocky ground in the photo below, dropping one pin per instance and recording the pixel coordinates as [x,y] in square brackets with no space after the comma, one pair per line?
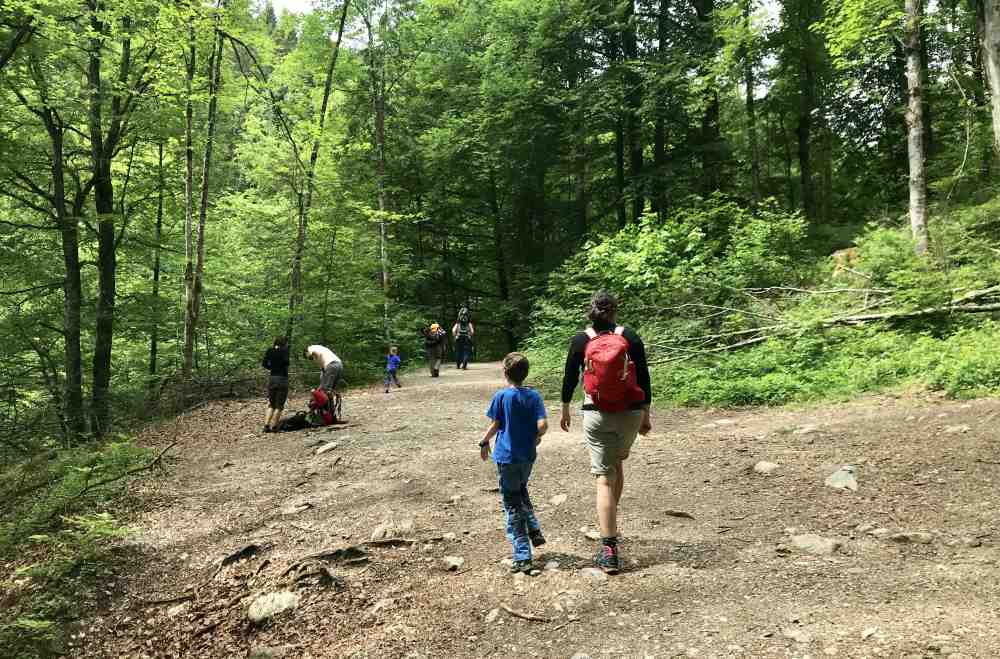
[261,545]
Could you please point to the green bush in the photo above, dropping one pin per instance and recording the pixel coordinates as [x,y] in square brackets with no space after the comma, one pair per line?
[716,269]
[51,530]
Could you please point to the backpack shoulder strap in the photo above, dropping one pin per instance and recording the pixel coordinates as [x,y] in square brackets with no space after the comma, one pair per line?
[591,333]
[620,330]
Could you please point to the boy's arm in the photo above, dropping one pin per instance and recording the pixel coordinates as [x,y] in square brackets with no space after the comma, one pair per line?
[543,427]
[484,444]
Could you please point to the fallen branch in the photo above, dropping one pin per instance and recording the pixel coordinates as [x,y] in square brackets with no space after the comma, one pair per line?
[168,600]
[524,616]
[125,474]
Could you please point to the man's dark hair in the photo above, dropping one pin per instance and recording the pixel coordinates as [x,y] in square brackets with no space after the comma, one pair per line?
[603,307]
[515,367]
[280,341]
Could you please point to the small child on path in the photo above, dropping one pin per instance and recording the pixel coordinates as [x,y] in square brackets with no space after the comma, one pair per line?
[392,362]
[518,415]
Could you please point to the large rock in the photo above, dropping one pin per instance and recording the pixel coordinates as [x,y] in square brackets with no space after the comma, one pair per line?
[393,529]
[765,467]
[271,604]
[815,544]
[914,537]
[843,479]
[453,563]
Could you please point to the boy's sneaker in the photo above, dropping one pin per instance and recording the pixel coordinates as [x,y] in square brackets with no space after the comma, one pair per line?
[537,539]
[521,566]
[607,559]
[267,429]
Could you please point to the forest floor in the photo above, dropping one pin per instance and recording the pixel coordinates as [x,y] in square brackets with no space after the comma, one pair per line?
[729,582]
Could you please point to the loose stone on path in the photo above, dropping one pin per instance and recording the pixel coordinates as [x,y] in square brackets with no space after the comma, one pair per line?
[764,467]
[271,604]
[843,479]
[815,544]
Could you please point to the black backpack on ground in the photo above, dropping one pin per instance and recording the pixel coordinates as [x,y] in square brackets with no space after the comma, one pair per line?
[292,423]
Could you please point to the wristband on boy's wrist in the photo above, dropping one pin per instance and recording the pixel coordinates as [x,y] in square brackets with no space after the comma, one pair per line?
[484,443]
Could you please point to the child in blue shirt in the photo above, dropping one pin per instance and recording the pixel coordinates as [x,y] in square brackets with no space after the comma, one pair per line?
[392,362]
[518,415]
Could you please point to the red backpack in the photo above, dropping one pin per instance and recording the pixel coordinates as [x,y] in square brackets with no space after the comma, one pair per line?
[608,373]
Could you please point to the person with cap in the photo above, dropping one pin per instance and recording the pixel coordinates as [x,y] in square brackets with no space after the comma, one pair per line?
[434,343]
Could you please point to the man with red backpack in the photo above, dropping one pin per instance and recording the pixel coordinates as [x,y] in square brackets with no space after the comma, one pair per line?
[617,395]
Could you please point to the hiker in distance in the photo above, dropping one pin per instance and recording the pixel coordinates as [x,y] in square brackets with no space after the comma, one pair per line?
[331,367]
[434,344]
[616,400]
[392,363]
[518,423]
[463,331]
[276,361]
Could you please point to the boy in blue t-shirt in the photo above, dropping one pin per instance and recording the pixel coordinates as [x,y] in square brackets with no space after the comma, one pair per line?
[392,362]
[518,415]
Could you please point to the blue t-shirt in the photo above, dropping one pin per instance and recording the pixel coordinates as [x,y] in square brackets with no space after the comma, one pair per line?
[518,411]
[392,363]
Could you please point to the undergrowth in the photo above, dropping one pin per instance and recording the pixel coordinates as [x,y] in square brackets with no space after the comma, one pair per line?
[708,278]
[55,539]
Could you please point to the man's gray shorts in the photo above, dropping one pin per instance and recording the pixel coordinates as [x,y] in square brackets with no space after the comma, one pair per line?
[331,375]
[609,436]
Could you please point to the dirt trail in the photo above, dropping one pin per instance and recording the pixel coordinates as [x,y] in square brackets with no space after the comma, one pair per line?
[728,582]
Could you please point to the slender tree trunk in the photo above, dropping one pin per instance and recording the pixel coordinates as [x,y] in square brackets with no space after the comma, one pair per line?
[503,284]
[803,132]
[659,197]
[990,42]
[711,135]
[620,172]
[193,287]
[154,324]
[305,202]
[786,143]
[378,87]
[580,185]
[633,104]
[915,128]
[192,59]
[102,149]
[748,73]
[73,413]
[925,81]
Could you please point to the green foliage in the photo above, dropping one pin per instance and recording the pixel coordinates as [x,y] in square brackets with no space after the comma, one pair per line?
[51,529]
[696,261]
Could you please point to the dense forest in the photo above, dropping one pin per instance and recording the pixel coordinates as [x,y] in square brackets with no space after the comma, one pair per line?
[795,199]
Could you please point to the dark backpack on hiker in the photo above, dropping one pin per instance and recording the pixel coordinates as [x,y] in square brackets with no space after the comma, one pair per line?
[608,373]
[464,332]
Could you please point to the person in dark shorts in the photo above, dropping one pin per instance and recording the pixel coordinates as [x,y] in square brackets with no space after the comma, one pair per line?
[276,361]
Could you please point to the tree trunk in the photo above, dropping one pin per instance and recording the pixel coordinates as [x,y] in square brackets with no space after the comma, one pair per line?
[305,202]
[503,284]
[73,413]
[659,196]
[379,90]
[154,324]
[620,172]
[633,102]
[915,128]
[711,135]
[786,143]
[101,151]
[193,278]
[804,133]
[748,72]
[192,59]
[990,42]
